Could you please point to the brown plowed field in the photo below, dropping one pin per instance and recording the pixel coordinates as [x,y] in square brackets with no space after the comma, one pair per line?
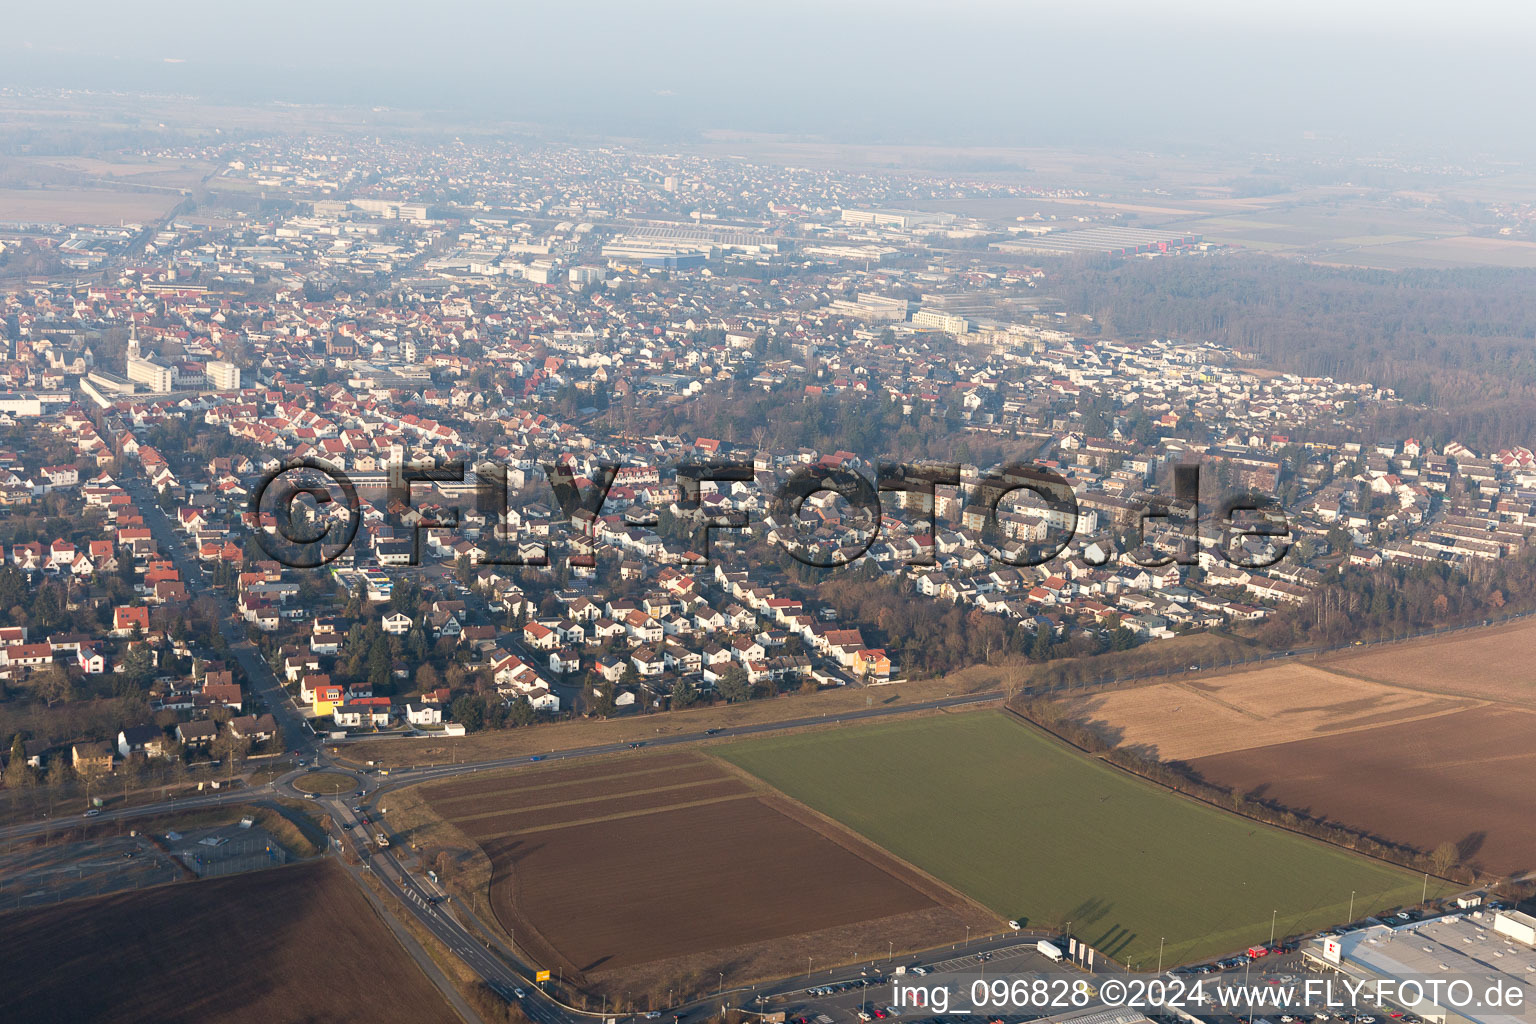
[557,775]
[563,815]
[285,944]
[558,794]
[1464,778]
[1214,714]
[674,858]
[1493,663]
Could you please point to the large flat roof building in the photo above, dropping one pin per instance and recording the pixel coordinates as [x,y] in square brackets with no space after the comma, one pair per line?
[1114,241]
[155,377]
[1481,946]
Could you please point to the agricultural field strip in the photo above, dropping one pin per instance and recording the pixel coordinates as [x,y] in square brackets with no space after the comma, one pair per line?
[637,813]
[1438,665]
[515,818]
[756,873]
[792,873]
[147,954]
[1468,788]
[965,798]
[1254,708]
[575,790]
[440,793]
[608,794]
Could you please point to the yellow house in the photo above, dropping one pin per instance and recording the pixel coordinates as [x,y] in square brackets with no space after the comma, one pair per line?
[872,662]
[324,699]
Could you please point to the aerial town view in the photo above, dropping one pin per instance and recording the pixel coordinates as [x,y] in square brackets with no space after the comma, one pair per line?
[768,513]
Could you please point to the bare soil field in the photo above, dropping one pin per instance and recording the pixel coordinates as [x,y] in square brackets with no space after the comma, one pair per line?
[678,863]
[1463,778]
[1456,251]
[1201,716]
[1492,663]
[151,171]
[246,949]
[85,206]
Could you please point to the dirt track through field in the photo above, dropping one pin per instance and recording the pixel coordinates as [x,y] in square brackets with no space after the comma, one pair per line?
[606,796]
[527,828]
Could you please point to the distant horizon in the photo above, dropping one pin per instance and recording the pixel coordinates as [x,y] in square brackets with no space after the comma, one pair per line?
[1403,78]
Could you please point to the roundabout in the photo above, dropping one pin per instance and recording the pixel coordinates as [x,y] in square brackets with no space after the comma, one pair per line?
[324,783]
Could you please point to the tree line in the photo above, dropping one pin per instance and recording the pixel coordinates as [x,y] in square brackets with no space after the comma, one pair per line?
[1458,344]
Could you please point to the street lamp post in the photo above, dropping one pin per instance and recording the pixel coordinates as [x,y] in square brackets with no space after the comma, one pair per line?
[1272,915]
[1351,906]
[1160,954]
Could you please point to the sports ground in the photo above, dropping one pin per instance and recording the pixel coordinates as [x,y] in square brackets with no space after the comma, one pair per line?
[1037,831]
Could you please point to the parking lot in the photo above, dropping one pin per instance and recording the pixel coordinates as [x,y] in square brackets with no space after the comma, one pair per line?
[850,998]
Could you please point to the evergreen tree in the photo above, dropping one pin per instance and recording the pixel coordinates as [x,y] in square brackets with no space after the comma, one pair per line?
[734,685]
[685,693]
[521,712]
[379,665]
[18,773]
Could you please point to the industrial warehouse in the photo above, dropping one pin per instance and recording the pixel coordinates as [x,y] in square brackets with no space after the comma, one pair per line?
[1481,947]
[1109,241]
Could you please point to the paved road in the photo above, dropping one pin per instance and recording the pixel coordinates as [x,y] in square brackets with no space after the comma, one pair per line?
[263,680]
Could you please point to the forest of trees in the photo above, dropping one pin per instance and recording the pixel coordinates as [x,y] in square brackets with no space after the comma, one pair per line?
[1399,600]
[1460,345]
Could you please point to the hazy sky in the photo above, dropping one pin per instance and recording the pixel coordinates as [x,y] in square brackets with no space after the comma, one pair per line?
[1437,74]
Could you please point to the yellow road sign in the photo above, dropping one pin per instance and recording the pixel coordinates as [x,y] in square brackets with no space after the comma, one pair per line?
[541,976]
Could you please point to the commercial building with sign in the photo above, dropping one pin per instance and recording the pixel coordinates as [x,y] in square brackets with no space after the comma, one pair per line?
[1484,948]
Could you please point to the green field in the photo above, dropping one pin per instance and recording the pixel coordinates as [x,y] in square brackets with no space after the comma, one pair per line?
[1034,830]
